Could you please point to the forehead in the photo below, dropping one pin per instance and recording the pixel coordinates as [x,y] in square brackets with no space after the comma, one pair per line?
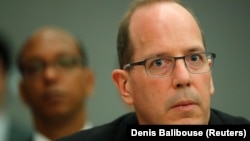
[164,25]
[50,44]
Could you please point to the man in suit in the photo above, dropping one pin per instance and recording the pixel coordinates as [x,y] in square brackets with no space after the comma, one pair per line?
[165,72]
[56,83]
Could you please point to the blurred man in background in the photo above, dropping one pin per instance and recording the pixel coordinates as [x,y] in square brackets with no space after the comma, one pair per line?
[56,83]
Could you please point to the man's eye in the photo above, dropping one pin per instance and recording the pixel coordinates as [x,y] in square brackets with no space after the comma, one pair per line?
[158,62]
[194,58]
[34,67]
[197,58]
[162,62]
[67,62]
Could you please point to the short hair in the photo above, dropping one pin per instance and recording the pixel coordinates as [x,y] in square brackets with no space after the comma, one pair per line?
[5,52]
[124,47]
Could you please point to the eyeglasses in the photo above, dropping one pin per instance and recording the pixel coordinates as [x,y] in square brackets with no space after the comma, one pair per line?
[63,64]
[163,66]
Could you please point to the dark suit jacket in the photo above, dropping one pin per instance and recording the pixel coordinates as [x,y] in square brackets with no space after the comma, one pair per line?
[116,130]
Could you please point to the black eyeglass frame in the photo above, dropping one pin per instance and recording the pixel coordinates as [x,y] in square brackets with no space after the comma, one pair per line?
[208,55]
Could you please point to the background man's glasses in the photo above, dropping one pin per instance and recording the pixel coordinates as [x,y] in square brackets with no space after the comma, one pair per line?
[163,66]
[36,67]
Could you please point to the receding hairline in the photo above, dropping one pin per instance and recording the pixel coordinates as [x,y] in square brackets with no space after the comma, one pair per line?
[124,45]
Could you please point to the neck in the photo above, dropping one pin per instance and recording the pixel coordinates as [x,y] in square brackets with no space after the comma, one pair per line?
[59,127]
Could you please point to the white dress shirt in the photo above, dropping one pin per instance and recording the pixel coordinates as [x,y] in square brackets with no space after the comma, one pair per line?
[40,137]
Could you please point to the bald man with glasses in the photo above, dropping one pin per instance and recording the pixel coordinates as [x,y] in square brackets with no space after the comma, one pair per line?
[165,73]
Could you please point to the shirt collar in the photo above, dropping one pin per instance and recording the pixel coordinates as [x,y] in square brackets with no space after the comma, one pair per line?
[40,137]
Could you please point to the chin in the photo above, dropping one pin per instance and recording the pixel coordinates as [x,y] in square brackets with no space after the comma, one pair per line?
[56,112]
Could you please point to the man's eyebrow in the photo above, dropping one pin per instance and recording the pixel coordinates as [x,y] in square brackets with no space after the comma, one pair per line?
[195,49]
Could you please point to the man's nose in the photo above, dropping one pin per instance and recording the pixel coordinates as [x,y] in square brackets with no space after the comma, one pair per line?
[50,72]
[180,74]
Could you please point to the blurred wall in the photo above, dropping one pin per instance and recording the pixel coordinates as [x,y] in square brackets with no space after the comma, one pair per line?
[225,23]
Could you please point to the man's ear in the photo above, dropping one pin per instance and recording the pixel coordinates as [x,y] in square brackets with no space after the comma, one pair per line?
[211,87]
[122,83]
[90,79]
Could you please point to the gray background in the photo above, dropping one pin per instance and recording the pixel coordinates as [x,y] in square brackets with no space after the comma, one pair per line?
[225,23]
